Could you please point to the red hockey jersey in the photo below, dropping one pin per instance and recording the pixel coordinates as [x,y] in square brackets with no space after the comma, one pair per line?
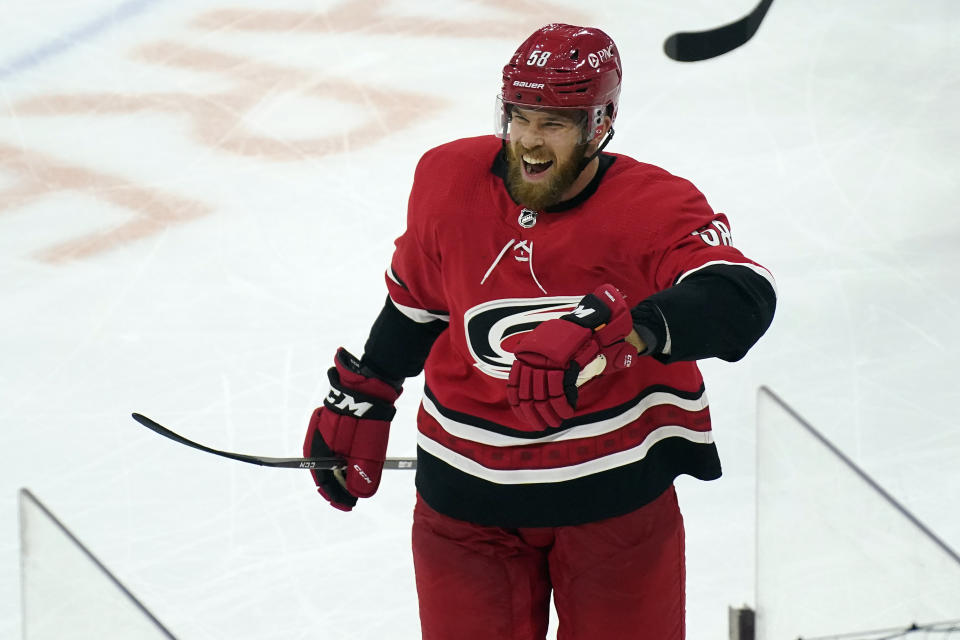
[472,257]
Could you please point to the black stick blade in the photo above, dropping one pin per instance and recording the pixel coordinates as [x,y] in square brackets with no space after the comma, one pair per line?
[695,46]
[263,461]
[287,463]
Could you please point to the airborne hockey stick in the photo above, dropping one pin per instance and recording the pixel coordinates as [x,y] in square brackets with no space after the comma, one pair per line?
[695,46]
[286,463]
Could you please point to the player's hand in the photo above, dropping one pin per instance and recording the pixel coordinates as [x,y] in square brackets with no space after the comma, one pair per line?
[352,424]
[542,387]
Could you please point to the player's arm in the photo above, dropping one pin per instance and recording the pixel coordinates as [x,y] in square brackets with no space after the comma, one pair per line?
[717,311]
[400,340]
[711,300]
[354,421]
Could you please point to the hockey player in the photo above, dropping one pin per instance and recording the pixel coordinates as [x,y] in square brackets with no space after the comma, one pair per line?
[556,298]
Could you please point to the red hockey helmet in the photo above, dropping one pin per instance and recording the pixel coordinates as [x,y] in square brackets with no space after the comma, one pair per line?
[561,66]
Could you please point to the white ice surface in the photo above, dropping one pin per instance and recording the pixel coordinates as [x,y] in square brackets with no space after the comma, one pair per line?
[239,178]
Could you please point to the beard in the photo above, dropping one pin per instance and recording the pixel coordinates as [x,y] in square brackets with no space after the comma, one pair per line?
[544,193]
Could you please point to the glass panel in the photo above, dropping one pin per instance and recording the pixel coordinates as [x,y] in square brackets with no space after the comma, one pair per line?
[67,592]
[836,554]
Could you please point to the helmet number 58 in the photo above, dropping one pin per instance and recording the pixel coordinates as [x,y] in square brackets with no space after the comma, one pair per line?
[538,58]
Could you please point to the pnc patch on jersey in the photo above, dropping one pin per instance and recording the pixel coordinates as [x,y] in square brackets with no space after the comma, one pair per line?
[493,328]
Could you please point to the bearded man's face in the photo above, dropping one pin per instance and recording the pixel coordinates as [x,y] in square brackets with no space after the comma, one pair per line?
[543,155]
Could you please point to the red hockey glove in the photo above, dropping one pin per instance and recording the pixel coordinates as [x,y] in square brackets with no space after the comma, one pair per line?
[542,387]
[353,424]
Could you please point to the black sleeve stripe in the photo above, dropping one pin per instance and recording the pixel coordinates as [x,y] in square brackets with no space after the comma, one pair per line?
[398,346]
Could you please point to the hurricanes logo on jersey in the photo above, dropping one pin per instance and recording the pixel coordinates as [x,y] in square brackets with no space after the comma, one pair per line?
[493,328]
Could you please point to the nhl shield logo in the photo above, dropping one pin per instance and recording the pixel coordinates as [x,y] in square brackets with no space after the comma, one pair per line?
[528,218]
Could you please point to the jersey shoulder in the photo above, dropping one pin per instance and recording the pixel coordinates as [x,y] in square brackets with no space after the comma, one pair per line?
[451,179]
[657,206]
[642,179]
[466,154]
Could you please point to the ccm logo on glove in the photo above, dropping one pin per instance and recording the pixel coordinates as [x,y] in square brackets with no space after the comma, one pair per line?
[346,403]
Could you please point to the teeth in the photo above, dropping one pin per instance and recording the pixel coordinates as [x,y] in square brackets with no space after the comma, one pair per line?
[530,160]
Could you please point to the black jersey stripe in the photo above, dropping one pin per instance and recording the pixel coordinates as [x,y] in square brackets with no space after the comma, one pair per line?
[608,494]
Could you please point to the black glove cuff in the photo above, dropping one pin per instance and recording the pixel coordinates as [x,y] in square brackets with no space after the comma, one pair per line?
[356,365]
[649,324]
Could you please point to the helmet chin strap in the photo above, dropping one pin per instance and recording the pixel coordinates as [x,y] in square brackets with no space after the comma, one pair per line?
[588,159]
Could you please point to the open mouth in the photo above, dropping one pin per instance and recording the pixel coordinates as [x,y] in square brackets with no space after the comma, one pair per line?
[533,166]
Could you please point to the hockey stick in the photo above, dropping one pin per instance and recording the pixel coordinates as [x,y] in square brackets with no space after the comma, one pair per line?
[286,463]
[593,369]
[695,46]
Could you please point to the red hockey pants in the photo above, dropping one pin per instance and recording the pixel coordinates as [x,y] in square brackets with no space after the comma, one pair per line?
[621,578]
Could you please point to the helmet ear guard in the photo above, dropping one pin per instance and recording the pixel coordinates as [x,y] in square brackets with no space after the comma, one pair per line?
[603,143]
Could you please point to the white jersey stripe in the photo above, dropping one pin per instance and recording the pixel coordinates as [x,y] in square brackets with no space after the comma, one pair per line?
[766,275]
[589,430]
[393,277]
[421,316]
[561,474]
